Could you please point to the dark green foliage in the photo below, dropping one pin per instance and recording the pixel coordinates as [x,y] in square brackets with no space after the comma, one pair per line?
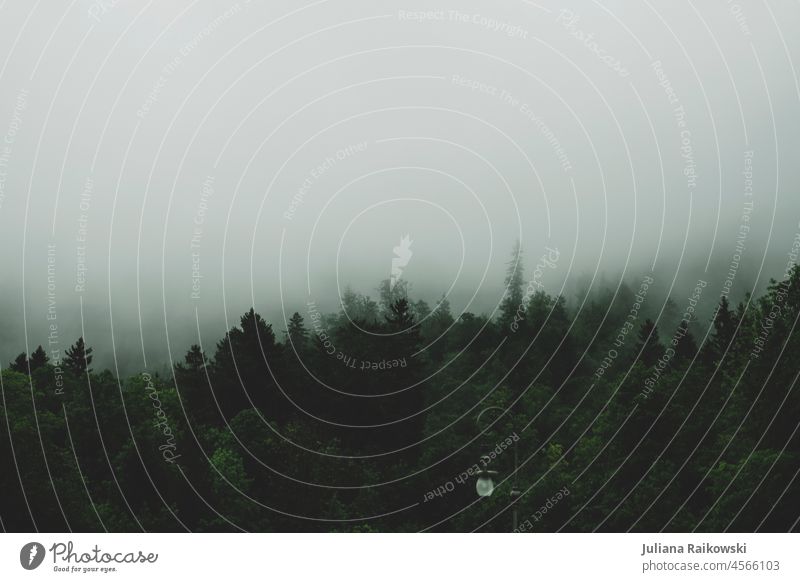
[365,412]
[23,365]
[20,364]
[38,359]
[78,358]
[649,348]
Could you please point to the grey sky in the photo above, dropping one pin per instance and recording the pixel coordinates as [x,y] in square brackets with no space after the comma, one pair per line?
[604,130]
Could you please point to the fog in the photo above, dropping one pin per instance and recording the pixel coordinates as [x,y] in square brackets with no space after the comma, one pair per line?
[168,165]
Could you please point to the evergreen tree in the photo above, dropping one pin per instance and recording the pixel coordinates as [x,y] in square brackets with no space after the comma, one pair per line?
[195,359]
[421,310]
[686,347]
[359,308]
[23,365]
[382,416]
[192,381]
[670,316]
[389,293]
[296,332]
[38,359]
[244,364]
[400,316]
[649,348]
[435,329]
[20,364]
[512,308]
[78,358]
[401,341]
[442,311]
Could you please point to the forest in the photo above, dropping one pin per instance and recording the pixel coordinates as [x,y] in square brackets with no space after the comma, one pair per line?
[621,411]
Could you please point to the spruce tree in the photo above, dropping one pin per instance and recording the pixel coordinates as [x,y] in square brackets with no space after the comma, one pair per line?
[195,358]
[724,327]
[78,358]
[686,347]
[400,316]
[38,359]
[512,308]
[20,364]
[296,332]
[648,349]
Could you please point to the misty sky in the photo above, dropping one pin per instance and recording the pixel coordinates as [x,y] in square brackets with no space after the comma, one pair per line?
[280,150]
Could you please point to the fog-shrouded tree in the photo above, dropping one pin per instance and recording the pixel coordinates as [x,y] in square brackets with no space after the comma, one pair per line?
[686,346]
[374,415]
[389,292]
[38,359]
[20,363]
[724,328]
[296,332]
[192,380]
[648,347]
[247,362]
[435,329]
[78,358]
[512,307]
[359,308]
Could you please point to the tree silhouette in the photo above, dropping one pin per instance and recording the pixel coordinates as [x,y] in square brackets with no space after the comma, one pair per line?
[648,347]
[686,347]
[724,327]
[20,364]
[400,315]
[23,365]
[192,381]
[640,449]
[195,359]
[38,359]
[244,364]
[512,306]
[361,308]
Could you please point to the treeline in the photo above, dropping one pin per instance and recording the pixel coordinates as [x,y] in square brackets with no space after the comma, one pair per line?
[365,420]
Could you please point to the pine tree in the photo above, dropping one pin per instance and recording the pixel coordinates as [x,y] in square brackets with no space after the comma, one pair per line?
[724,327]
[389,294]
[192,382]
[38,359]
[359,308]
[195,358]
[670,316]
[421,310]
[435,329]
[401,319]
[649,347]
[400,316]
[78,358]
[20,364]
[244,364]
[442,311]
[512,308]
[296,332]
[686,347]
